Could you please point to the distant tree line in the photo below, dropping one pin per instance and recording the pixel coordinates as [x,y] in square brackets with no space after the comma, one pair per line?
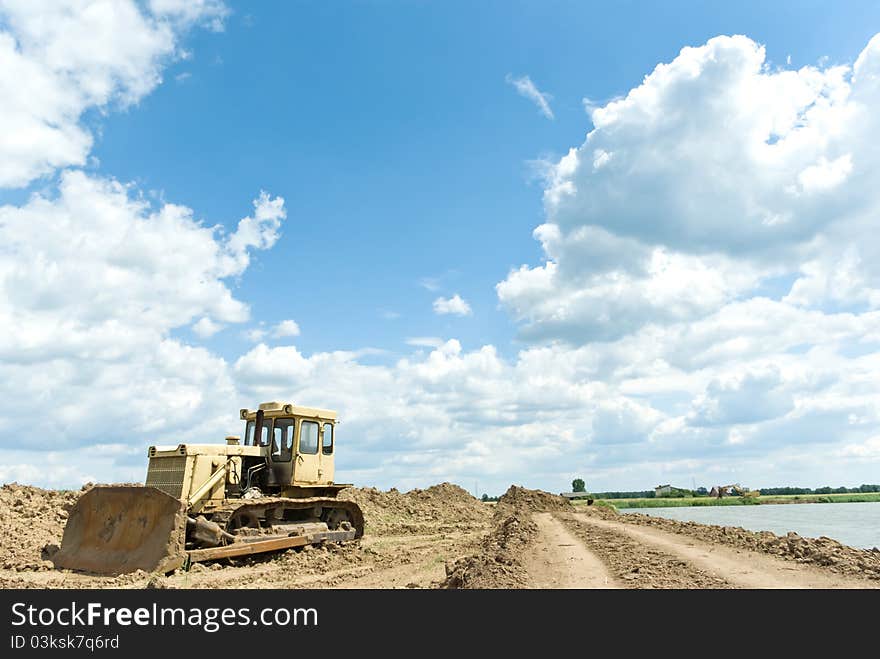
[769,491]
[703,492]
[820,490]
[646,494]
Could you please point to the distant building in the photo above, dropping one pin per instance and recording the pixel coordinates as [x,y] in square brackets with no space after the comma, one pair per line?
[662,490]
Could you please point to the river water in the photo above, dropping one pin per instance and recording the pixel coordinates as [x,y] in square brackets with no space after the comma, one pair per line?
[854,524]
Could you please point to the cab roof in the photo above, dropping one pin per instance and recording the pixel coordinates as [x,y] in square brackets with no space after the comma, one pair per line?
[276,408]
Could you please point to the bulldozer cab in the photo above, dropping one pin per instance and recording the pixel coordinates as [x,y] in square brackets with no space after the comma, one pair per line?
[298,442]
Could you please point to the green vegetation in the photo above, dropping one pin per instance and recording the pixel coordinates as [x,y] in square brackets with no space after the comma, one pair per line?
[676,493]
[603,503]
[688,501]
[652,502]
[578,485]
[644,494]
[861,489]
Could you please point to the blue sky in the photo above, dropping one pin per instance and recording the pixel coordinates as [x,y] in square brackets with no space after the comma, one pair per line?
[390,132]
[697,300]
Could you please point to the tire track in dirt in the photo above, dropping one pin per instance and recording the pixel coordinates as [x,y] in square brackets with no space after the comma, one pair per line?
[559,560]
[739,568]
[637,565]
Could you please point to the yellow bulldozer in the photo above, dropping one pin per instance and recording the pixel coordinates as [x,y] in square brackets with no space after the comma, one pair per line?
[204,502]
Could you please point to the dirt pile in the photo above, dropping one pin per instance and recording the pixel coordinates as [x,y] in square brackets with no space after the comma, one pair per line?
[499,564]
[824,552]
[534,501]
[440,508]
[30,519]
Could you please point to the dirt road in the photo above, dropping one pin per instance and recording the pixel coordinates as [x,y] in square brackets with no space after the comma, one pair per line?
[541,541]
[577,550]
[737,568]
[559,560]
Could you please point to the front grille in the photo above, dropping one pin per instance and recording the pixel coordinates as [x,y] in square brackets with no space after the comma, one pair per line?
[166,474]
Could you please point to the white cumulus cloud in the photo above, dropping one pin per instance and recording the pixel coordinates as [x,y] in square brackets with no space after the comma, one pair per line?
[286,328]
[715,175]
[58,58]
[454,305]
[92,283]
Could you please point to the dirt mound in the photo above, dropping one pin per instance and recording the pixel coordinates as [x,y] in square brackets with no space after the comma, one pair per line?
[440,508]
[30,519]
[499,565]
[824,552]
[536,501]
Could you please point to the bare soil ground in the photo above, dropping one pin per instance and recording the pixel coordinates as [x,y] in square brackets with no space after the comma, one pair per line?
[410,536]
[652,558]
[559,546]
[820,552]
[442,537]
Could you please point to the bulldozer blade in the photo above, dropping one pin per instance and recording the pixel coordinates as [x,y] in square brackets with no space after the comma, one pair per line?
[117,529]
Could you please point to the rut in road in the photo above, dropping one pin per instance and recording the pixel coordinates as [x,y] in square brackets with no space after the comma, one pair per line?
[559,560]
[737,568]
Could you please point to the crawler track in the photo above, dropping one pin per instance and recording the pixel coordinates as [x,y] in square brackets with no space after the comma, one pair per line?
[236,515]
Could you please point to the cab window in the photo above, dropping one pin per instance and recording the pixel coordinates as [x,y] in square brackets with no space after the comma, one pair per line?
[282,439]
[276,443]
[308,438]
[264,435]
[327,440]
